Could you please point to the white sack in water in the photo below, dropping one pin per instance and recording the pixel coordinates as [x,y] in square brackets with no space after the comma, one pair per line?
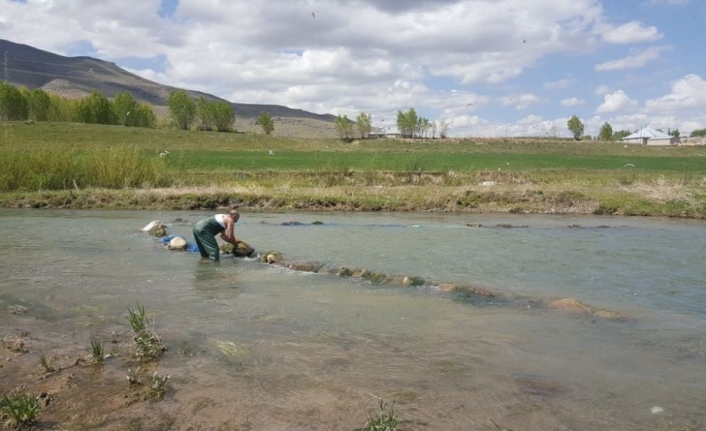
[151,225]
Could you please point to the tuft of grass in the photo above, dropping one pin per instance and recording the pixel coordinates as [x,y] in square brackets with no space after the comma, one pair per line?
[97,353]
[14,343]
[137,318]
[45,364]
[22,408]
[229,348]
[158,386]
[147,343]
[383,420]
[134,377]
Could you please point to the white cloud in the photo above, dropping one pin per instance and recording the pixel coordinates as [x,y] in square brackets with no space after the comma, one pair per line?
[574,101]
[530,120]
[616,101]
[376,56]
[669,2]
[558,85]
[278,46]
[522,101]
[639,59]
[631,32]
[688,94]
[602,90]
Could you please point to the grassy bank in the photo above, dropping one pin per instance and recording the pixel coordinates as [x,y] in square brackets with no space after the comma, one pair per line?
[87,166]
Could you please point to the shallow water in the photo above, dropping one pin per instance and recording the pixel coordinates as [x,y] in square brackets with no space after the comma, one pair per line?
[319,346]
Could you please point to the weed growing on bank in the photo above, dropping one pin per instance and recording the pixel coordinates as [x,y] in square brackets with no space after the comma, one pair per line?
[21,408]
[385,419]
[97,353]
[145,340]
[55,169]
[45,364]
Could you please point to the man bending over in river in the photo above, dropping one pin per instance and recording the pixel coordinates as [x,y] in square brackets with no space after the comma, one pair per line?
[206,230]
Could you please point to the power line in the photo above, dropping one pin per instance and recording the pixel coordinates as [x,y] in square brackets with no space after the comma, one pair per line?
[5,68]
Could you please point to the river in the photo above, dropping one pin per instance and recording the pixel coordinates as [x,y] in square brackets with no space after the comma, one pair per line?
[312,351]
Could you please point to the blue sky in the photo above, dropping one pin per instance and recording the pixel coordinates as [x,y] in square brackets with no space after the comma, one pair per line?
[516,67]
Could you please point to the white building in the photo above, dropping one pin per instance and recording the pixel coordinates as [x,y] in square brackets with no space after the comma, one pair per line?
[696,140]
[649,136]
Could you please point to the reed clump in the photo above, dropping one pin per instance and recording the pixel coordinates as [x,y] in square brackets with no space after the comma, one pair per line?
[97,351]
[145,340]
[21,408]
[385,419]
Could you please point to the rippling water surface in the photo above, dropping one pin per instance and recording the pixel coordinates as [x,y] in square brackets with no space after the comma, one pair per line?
[316,345]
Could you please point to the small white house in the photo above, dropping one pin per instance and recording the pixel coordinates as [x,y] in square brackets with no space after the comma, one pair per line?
[649,136]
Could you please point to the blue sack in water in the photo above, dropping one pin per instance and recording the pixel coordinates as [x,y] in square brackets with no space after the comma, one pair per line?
[190,246]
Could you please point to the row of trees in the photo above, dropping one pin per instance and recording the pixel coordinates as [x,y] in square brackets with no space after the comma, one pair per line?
[206,115]
[21,104]
[606,133]
[411,125]
[18,104]
[346,128]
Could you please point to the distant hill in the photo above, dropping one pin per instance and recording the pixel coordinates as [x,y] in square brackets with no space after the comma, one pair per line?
[79,76]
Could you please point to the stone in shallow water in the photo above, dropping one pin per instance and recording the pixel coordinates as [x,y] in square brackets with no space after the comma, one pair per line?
[361,273]
[569,304]
[304,267]
[177,243]
[574,306]
[344,272]
[151,225]
[155,228]
[474,290]
[271,257]
[243,249]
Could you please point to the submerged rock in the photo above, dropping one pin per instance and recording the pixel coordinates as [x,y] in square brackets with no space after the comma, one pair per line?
[271,257]
[155,228]
[344,272]
[375,277]
[304,267]
[361,273]
[243,249]
[573,306]
[467,288]
[569,304]
[405,281]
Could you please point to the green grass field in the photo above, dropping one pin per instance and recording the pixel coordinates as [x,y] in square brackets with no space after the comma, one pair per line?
[430,161]
[40,162]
